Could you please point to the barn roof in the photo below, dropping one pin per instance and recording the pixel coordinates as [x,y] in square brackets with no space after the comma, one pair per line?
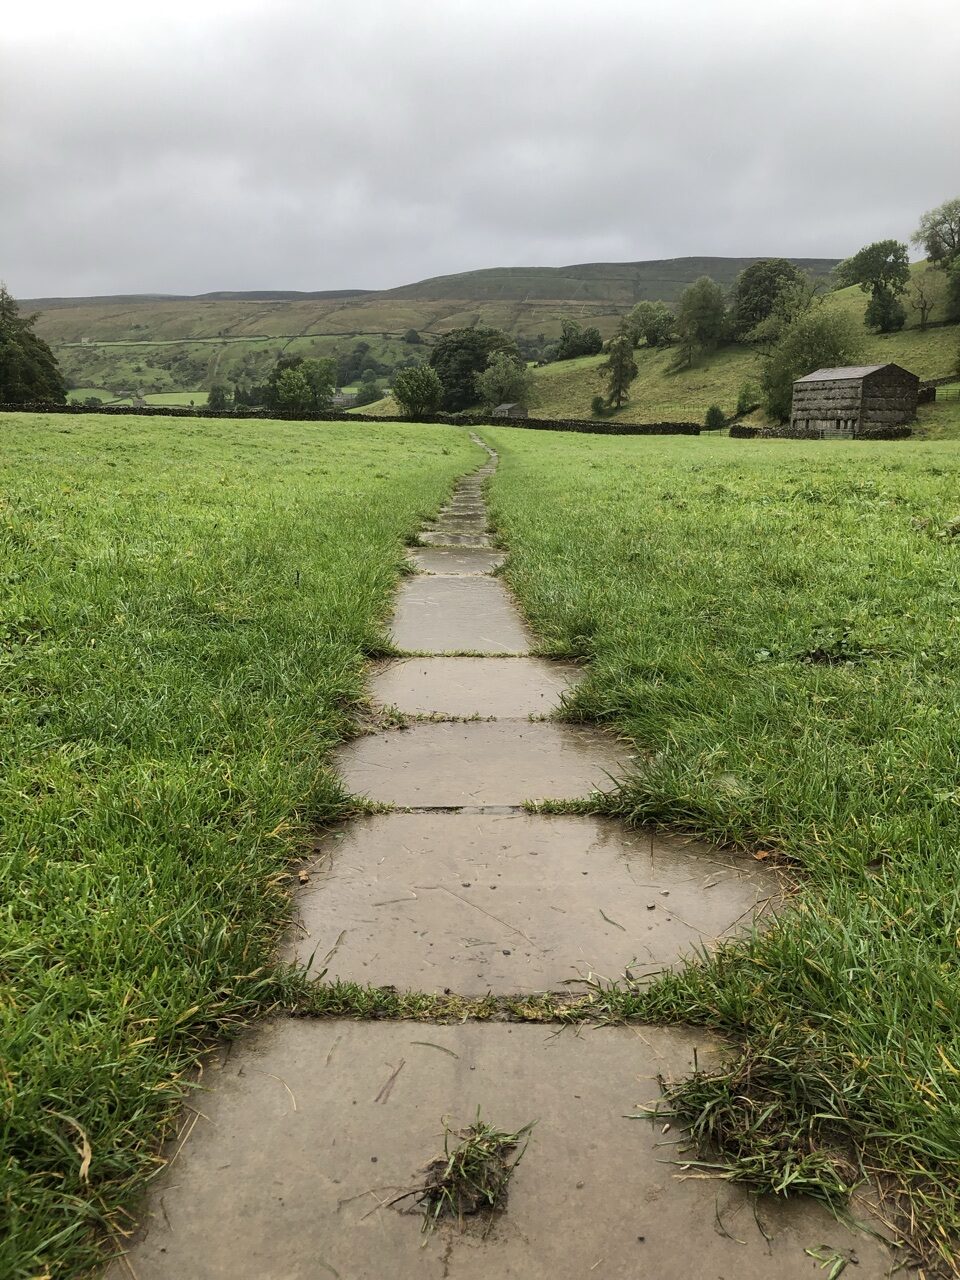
[845,374]
[849,373]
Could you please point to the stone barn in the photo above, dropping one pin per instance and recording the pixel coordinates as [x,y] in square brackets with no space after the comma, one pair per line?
[509,411]
[859,400]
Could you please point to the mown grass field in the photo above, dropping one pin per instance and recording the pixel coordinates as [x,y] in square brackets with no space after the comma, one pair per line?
[185,611]
[776,625]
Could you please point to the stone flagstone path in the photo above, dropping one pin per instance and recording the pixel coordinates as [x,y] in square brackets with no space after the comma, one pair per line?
[308,1128]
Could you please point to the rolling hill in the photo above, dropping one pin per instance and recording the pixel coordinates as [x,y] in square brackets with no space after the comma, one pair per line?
[616,284]
[165,344]
[177,346]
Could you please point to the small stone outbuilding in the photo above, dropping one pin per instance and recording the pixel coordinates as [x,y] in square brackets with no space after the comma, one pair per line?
[859,400]
[509,411]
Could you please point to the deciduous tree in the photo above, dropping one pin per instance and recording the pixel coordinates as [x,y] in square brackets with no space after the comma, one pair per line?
[653,322]
[459,356]
[317,376]
[293,391]
[925,290]
[576,341]
[883,265]
[885,312]
[701,318]
[757,289]
[939,233]
[29,372]
[418,391]
[506,381]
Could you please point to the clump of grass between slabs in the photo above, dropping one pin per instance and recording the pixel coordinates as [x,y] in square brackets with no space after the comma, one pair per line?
[694,576]
[473,1174]
[778,1125]
[184,611]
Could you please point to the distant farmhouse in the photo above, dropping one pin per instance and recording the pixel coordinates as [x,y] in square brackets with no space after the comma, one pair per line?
[859,400]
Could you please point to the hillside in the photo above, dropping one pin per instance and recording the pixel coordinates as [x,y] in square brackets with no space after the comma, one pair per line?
[567,388]
[618,284]
[183,344]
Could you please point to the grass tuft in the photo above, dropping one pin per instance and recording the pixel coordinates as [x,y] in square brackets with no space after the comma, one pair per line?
[779,1125]
[472,1175]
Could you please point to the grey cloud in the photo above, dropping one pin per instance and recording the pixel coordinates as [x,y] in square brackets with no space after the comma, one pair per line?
[305,145]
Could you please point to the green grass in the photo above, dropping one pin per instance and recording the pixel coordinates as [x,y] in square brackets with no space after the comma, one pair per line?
[185,611]
[196,397]
[940,420]
[657,395]
[776,625]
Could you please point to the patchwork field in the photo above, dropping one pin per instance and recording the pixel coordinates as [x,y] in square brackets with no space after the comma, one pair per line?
[185,613]
[775,625]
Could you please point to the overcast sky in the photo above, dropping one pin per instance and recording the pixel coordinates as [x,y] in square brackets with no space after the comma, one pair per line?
[193,145]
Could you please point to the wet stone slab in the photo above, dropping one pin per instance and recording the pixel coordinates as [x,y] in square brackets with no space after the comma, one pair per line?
[458,561]
[309,1129]
[451,538]
[514,903]
[456,516]
[439,615]
[502,762]
[500,687]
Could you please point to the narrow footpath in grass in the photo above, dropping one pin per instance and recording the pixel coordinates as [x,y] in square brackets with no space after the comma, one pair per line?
[359,1146]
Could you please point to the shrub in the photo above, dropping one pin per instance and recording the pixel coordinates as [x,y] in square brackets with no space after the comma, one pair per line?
[367,393]
[885,312]
[748,399]
[715,418]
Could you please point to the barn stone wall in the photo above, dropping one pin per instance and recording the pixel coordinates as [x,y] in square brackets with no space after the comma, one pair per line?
[889,399]
[846,407]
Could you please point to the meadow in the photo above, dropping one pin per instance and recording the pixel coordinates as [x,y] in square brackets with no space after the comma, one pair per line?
[775,624]
[186,608]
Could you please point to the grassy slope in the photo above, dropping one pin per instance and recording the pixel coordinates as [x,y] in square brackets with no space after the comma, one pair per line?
[621,283]
[657,394]
[691,574]
[185,611]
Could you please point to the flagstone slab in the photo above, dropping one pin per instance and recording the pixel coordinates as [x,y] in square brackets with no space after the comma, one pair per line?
[451,538]
[456,561]
[439,615]
[307,1131]
[474,903]
[499,687]
[504,762]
